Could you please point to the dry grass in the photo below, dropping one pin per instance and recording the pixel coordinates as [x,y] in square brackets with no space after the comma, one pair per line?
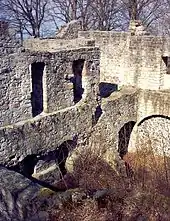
[144,194]
[150,172]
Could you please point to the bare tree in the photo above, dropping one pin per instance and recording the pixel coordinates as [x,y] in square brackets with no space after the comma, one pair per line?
[148,11]
[65,10]
[105,14]
[27,14]
[164,23]
[85,13]
[95,14]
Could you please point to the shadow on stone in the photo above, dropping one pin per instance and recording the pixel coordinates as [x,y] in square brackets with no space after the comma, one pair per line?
[124,137]
[46,168]
[97,115]
[106,89]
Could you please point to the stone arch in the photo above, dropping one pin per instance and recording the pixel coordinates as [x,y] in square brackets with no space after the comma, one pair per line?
[124,137]
[38,164]
[152,133]
[152,116]
[63,152]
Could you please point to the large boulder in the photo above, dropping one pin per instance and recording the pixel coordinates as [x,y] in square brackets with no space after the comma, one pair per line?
[20,198]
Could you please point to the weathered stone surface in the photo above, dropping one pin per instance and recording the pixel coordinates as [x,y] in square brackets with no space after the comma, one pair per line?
[48,132]
[16,80]
[16,196]
[70,30]
[47,171]
[117,110]
[23,200]
[132,60]
[152,134]
[119,59]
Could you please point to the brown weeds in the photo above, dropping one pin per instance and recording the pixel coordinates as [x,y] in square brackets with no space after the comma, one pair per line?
[144,194]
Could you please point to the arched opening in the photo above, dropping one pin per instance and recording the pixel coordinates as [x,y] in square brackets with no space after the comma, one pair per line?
[151,152]
[62,154]
[153,135]
[124,137]
[37,70]
[153,116]
[78,89]
[37,163]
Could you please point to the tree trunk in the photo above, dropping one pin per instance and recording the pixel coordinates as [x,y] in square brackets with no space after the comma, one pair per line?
[74,10]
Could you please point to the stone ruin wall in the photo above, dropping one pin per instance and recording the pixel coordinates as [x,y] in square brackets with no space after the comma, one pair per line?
[117,110]
[152,103]
[62,119]
[149,110]
[152,123]
[56,44]
[152,133]
[46,133]
[13,83]
[16,81]
[125,59]
[132,60]
[135,61]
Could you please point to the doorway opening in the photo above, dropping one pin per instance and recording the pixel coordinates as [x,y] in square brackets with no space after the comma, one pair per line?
[124,137]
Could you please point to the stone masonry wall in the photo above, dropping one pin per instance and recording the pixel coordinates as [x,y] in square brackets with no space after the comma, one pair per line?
[153,122]
[153,134]
[152,103]
[16,82]
[14,95]
[56,44]
[125,60]
[132,60]
[117,110]
[46,133]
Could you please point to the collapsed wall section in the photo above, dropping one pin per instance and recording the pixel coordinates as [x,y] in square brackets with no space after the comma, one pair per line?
[44,134]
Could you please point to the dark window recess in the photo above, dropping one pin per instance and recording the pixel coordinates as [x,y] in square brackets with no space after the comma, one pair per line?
[77,79]
[106,89]
[167,63]
[37,70]
[124,137]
